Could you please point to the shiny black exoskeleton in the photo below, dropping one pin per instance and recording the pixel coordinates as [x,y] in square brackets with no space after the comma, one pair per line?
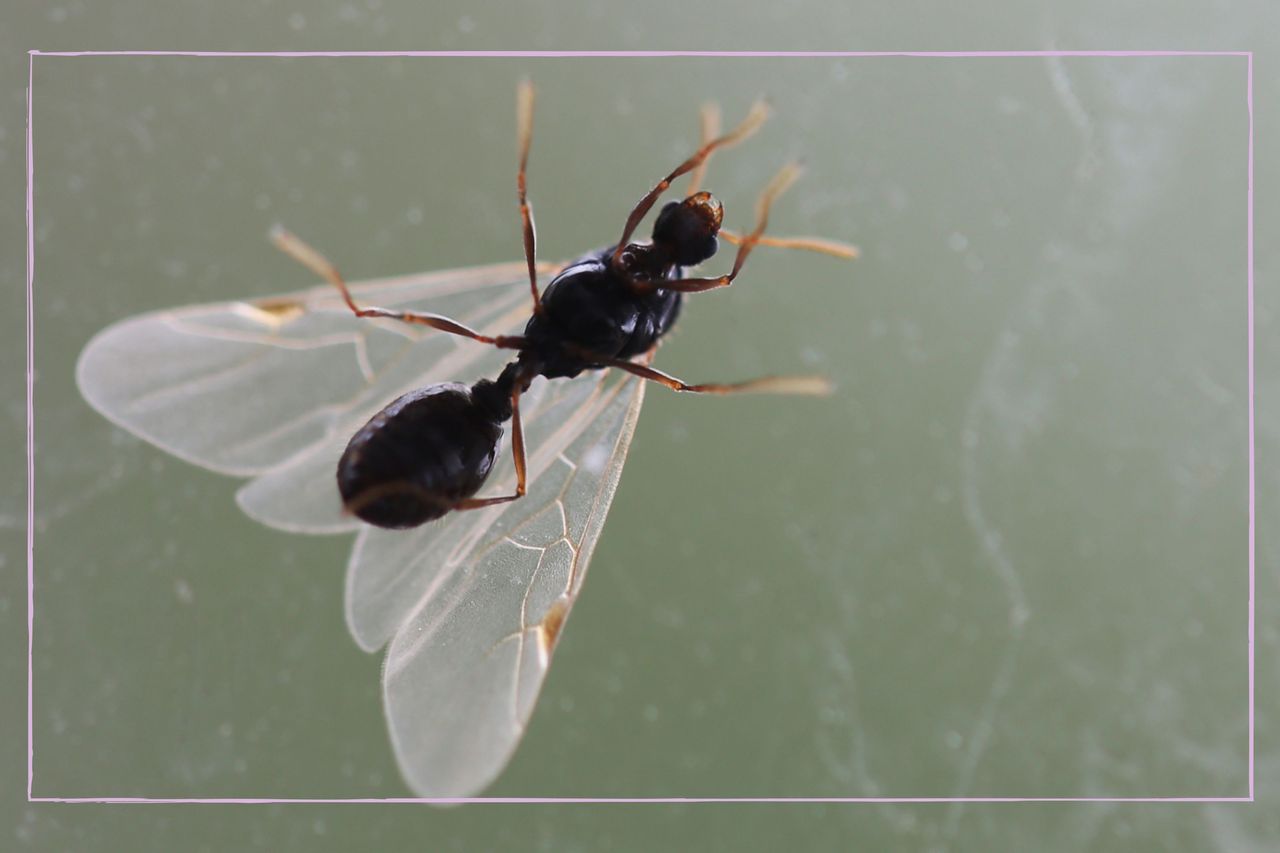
[418,457]
[430,451]
[592,306]
[617,308]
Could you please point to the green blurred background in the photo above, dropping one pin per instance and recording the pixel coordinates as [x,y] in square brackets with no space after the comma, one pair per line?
[1008,558]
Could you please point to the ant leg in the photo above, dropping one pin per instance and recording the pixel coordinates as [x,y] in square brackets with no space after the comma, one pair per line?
[815,386]
[709,119]
[524,137]
[517,453]
[776,187]
[304,254]
[709,125]
[820,245]
[759,112]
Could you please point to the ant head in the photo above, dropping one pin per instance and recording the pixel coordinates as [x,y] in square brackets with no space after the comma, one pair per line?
[688,228]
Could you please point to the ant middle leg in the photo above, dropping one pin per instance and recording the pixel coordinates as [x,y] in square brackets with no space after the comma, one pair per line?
[296,248]
[812,386]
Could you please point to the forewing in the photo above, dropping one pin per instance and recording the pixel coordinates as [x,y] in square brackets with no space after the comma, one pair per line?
[274,388]
[477,603]
[472,605]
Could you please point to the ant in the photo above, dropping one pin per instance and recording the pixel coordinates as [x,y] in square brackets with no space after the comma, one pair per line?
[429,451]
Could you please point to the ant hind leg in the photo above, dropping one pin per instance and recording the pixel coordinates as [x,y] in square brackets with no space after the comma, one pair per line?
[518,455]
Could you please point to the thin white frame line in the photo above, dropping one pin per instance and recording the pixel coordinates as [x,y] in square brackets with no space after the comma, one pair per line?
[647,54]
[439,801]
[1252,459]
[30,385]
[31,434]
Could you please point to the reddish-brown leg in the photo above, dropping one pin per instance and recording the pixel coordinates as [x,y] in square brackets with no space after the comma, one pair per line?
[821,245]
[815,386]
[759,112]
[300,251]
[524,137]
[709,125]
[517,453]
[709,121]
[776,187]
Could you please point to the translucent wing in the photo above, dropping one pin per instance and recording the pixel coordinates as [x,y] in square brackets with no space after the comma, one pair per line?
[273,389]
[472,605]
[475,607]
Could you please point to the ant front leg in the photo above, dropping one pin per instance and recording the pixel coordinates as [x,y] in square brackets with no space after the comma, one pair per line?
[776,187]
[756,117]
[300,251]
[709,122]
[524,137]
[709,127]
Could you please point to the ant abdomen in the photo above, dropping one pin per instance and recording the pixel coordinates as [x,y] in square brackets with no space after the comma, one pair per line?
[420,457]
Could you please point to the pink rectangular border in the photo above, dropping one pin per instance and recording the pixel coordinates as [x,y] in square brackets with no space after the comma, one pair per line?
[30,373]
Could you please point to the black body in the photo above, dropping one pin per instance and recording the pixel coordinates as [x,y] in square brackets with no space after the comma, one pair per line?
[594,307]
[430,451]
[417,458]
